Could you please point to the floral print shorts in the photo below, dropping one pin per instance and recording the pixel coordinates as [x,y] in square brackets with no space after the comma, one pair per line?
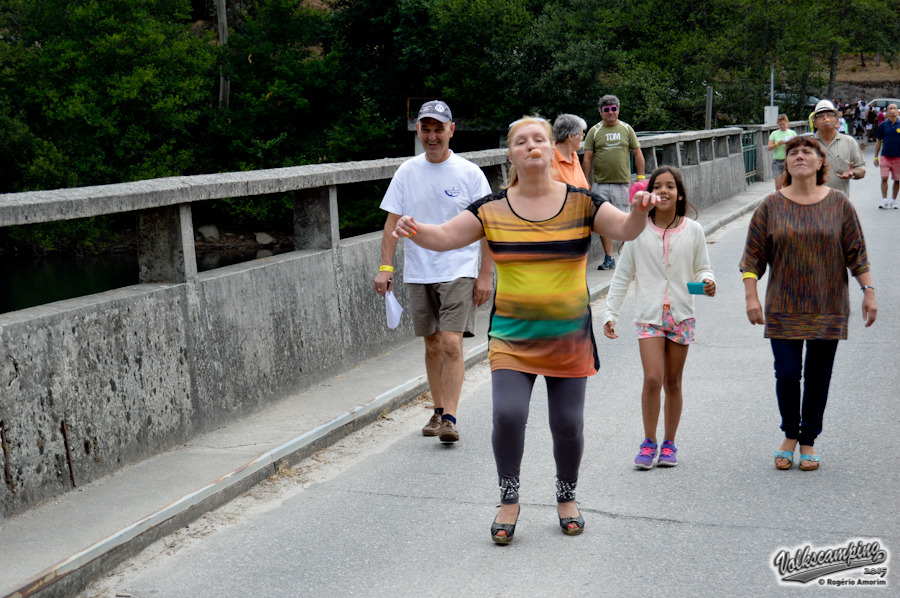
[682,333]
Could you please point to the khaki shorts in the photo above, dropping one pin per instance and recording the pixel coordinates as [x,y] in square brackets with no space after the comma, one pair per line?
[443,306]
[614,193]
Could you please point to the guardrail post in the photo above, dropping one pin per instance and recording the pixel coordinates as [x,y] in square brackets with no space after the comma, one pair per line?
[496,176]
[690,153]
[316,224]
[166,244]
[721,147]
[671,155]
[707,153]
[649,159]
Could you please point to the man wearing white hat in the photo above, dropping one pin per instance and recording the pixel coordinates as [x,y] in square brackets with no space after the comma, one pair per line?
[842,151]
[444,288]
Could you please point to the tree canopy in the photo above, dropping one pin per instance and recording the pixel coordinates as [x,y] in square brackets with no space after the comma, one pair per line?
[98,92]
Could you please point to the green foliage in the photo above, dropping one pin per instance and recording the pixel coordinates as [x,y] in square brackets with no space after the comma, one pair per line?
[556,62]
[98,92]
[358,207]
[274,212]
[108,92]
[476,41]
[81,236]
[280,89]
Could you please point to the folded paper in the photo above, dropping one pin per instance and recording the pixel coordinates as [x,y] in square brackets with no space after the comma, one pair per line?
[392,309]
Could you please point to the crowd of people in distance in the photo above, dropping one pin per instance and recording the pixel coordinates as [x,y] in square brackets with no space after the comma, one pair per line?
[860,119]
[829,125]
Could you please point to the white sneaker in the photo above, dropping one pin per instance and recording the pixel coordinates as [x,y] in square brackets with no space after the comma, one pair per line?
[884,205]
[894,204]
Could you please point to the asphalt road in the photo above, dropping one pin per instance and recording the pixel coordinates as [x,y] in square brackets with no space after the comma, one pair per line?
[407,516]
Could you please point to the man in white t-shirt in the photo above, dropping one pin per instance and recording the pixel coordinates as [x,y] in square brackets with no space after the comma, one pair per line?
[444,288]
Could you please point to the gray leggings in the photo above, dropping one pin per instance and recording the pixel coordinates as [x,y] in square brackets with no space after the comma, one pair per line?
[511,397]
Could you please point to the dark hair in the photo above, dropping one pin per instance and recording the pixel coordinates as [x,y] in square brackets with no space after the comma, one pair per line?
[607,100]
[681,203]
[809,141]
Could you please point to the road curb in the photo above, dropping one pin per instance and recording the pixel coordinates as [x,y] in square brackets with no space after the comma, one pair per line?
[734,215]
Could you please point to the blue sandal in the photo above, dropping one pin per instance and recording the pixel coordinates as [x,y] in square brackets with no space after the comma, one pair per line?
[789,455]
[813,459]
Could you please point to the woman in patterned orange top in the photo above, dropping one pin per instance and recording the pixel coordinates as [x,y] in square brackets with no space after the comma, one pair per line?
[809,236]
[538,232]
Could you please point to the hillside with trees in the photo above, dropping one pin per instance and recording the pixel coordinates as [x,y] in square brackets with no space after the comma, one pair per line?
[97,92]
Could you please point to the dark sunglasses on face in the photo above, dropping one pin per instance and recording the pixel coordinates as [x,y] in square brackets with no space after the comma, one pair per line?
[610,109]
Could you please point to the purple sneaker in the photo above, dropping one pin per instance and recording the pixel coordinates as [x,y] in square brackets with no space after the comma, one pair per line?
[667,455]
[644,460]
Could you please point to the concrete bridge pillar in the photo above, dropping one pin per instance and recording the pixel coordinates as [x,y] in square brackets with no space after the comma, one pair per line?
[690,153]
[497,176]
[649,160]
[671,155]
[166,244]
[316,224]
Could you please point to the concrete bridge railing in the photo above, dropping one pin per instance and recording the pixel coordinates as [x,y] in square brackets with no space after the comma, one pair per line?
[88,385]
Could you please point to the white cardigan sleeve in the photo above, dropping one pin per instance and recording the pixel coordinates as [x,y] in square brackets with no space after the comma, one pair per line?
[702,267]
[621,280]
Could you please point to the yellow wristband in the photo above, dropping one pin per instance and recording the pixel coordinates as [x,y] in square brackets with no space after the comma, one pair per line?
[641,177]
[749,275]
[386,269]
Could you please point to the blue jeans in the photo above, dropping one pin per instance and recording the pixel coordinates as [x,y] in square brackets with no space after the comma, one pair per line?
[802,420]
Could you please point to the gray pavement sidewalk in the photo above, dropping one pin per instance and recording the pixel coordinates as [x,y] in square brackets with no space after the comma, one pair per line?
[59,547]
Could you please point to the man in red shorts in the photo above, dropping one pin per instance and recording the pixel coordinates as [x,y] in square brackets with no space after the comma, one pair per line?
[888,138]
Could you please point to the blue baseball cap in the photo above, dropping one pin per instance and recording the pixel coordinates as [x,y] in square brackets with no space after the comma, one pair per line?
[435,109]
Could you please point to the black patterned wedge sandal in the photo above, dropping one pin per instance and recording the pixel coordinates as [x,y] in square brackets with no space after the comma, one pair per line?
[566,524]
[565,492]
[502,533]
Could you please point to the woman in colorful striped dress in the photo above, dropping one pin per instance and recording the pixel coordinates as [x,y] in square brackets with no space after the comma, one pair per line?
[808,236]
[539,233]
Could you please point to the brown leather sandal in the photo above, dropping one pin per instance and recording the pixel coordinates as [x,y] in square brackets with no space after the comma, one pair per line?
[788,455]
[813,461]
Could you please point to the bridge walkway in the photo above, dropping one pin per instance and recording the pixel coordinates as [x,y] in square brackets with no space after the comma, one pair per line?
[59,547]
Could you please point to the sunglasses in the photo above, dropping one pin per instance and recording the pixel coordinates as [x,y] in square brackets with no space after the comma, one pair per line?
[610,109]
[537,118]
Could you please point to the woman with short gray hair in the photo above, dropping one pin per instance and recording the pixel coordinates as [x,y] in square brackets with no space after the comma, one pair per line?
[568,131]
[568,125]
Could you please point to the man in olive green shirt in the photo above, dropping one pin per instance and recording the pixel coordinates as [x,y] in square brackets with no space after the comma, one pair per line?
[608,148]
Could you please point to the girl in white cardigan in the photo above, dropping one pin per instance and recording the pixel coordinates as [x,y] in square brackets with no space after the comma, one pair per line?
[670,253]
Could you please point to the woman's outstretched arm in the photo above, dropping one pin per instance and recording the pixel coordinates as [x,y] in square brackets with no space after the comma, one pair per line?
[463,229]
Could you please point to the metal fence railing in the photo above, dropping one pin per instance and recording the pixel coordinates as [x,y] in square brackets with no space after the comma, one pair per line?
[748,144]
